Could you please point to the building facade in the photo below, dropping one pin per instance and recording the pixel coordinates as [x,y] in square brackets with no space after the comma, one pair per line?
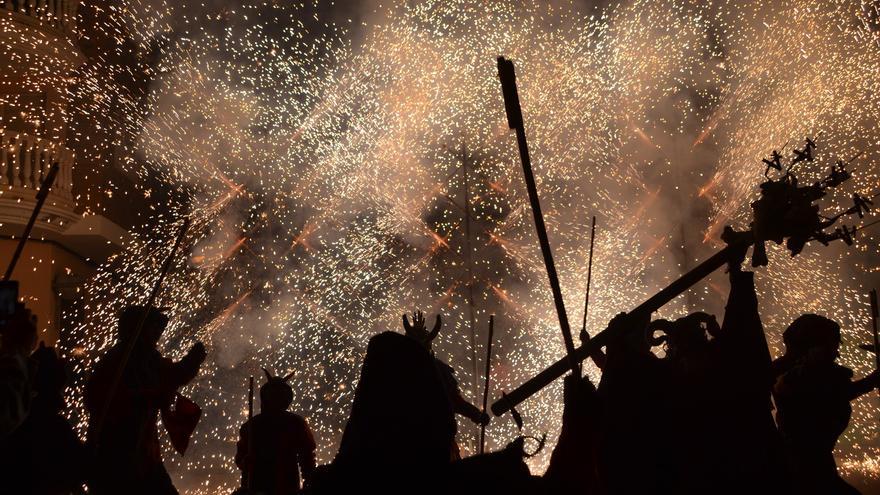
[38,59]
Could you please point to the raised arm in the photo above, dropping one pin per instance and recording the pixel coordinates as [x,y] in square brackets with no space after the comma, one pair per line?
[742,333]
[867,384]
[178,374]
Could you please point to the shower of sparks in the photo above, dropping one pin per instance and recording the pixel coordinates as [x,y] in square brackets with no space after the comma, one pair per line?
[325,179]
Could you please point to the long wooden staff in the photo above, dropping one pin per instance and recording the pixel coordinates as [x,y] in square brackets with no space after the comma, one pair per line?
[597,355]
[486,381]
[874,316]
[130,343]
[507,75]
[42,194]
[589,276]
[250,445]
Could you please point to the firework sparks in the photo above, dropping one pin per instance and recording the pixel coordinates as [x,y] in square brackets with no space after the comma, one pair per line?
[325,198]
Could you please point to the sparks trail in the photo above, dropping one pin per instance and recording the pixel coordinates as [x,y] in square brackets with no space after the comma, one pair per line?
[330,126]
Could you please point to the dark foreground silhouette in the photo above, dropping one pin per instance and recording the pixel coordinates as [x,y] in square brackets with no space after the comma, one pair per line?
[695,418]
[125,438]
[813,395]
[276,447]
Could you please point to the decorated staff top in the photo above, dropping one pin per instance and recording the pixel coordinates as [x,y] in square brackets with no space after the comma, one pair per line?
[786,210]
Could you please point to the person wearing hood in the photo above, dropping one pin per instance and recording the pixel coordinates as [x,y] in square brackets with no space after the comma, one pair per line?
[130,385]
[813,394]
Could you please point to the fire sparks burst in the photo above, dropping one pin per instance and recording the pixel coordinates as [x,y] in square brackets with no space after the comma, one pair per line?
[333,185]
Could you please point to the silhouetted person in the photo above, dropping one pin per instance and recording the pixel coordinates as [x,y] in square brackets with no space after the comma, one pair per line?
[799,338]
[721,430]
[18,336]
[723,411]
[276,447]
[43,455]
[418,332]
[751,454]
[126,443]
[633,425]
[692,401]
[813,395]
[574,464]
[401,425]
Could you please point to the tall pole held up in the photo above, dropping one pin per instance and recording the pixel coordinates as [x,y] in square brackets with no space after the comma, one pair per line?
[507,75]
[597,355]
[874,316]
[250,445]
[486,380]
[41,198]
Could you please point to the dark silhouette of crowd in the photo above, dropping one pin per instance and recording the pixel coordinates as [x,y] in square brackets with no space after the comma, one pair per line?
[684,406]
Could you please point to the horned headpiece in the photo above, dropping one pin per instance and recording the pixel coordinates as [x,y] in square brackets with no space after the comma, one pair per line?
[686,332]
[276,393]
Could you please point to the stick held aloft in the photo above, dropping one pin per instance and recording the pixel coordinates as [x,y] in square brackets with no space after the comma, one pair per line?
[486,378]
[507,75]
[874,317]
[42,194]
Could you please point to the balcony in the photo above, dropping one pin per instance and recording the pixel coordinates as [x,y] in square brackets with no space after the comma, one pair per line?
[57,14]
[37,43]
[24,162]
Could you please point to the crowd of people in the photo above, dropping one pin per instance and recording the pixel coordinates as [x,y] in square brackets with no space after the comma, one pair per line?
[712,413]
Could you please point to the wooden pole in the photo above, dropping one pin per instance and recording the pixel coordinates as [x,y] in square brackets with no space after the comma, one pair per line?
[486,378]
[250,445]
[129,345]
[874,316]
[597,355]
[469,259]
[507,75]
[589,275]
[42,194]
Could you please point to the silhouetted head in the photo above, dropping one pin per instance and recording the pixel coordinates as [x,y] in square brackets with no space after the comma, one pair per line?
[276,394]
[51,378]
[812,334]
[417,330]
[630,334]
[684,336]
[154,324]
[18,335]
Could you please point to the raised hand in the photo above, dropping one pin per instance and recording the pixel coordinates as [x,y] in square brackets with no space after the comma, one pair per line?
[198,352]
[483,419]
[416,329]
[418,323]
